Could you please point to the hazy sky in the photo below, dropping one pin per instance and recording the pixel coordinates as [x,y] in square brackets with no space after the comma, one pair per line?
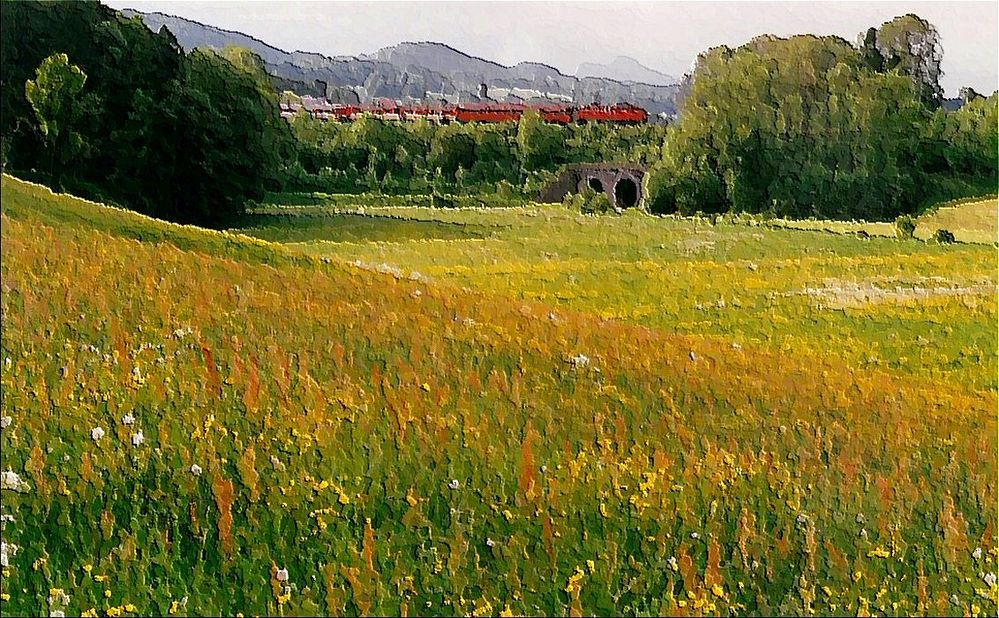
[666,36]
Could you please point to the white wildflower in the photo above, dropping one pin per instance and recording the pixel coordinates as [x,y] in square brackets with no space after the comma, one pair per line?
[990,579]
[196,470]
[977,554]
[7,551]
[282,575]
[138,438]
[97,433]
[695,535]
[10,480]
[128,419]
[490,542]
[580,360]
[454,484]
[5,422]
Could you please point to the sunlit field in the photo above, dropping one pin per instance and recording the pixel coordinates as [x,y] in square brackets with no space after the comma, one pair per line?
[517,412]
[904,306]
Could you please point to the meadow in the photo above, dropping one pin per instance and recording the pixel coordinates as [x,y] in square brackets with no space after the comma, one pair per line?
[407,410]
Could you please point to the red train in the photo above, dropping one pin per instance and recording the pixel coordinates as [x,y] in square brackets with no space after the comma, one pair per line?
[621,113]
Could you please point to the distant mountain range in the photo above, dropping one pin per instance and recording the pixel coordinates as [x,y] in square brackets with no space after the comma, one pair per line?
[427,71]
[625,69]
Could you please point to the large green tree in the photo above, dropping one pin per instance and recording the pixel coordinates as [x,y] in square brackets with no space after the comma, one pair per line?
[797,127]
[911,46]
[186,137]
[54,96]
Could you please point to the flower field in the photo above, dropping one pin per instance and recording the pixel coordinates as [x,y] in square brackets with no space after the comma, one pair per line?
[545,417]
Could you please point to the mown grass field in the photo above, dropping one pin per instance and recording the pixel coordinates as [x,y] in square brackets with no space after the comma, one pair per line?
[549,415]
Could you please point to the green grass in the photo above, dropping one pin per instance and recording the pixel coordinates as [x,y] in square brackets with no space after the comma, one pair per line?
[401,445]
[903,305]
[974,220]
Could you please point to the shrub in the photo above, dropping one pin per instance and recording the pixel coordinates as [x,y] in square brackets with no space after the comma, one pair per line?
[905,227]
[944,237]
[599,203]
[440,201]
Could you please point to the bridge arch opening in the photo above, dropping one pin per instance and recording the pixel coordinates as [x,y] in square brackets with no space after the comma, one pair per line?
[595,184]
[626,193]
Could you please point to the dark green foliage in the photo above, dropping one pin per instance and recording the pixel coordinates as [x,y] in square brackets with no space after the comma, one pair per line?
[184,137]
[420,157]
[944,237]
[814,127]
[54,97]
[905,226]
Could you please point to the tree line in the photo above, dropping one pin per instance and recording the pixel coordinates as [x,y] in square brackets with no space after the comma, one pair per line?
[97,104]
[814,126]
[424,157]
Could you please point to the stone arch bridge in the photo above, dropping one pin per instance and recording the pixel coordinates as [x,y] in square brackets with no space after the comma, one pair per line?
[621,182]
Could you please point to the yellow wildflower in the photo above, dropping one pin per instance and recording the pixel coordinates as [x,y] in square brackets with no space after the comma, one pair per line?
[878,552]
[574,579]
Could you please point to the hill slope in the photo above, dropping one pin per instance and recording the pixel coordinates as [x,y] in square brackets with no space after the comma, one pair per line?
[625,69]
[312,438]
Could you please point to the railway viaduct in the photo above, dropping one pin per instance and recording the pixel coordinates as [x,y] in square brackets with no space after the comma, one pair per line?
[621,182]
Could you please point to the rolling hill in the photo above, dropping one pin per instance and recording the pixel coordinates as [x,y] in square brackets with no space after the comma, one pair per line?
[312,437]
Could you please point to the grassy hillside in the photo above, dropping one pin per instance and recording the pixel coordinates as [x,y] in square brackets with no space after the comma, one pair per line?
[974,220]
[281,435]
[907,307]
